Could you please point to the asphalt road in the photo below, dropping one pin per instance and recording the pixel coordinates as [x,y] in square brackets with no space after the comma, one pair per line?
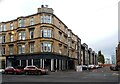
[97,75]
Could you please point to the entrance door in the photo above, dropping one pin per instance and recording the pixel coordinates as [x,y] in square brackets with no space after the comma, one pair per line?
[47,64]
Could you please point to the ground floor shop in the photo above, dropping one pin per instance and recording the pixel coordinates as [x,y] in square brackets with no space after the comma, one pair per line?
[51,61]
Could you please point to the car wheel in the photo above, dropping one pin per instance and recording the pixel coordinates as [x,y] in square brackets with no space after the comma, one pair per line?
[15,73]
[39,73]
[5,72]
[26,73]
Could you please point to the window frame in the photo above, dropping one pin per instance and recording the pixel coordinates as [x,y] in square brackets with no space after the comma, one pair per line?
[46,47]
[31,33]
[11,26]
[11,50]
[32,21]
[31,46]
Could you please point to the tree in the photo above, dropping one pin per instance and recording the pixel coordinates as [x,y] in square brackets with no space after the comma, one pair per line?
[101,58]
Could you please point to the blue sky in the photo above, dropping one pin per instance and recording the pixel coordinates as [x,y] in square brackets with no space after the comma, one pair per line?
[94,21]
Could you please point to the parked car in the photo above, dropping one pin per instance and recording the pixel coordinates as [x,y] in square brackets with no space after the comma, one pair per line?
[98,66]
[2,71]
[90,67]
[35,70]
[84,67]
[12,70]
[115,67]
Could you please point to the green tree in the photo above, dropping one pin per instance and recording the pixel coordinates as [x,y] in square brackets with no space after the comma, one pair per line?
[101,58]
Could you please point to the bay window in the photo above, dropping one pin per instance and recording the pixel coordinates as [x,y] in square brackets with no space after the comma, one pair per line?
[46,47]
[21,49]
[21,35]
[11,38]
[46,19]
[46,33]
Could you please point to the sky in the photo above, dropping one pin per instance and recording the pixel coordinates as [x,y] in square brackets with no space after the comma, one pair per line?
[94,21]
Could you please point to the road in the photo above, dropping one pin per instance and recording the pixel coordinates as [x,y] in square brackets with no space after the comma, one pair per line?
[97,75]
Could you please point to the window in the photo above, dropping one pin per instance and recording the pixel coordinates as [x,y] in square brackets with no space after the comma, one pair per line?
[11,26]
[3,39]
[21,35]
[46,19]
[49,47]
[21,22]
[31,21]
[59,24]
[10,50]
[11,38]
[69,44]
[31,47]
[49,33]
[46,47]
[1,26]
[60,51]
[49,19]
[4,27]
[69,34]
[3,50]
[60,36]
[0,39]
[46,33]
[31,34]
[21,49]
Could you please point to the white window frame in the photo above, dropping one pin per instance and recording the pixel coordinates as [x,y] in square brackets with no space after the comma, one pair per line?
[46,33]
[11,26]
[4,27]
[31,32]
[11,50]
[21,35]
[21,22]
[46,47]
[11,38]
[46,19]
[21,49]
[1,27]
[31,47]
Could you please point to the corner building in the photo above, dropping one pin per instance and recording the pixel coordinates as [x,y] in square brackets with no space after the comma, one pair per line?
[41,39]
